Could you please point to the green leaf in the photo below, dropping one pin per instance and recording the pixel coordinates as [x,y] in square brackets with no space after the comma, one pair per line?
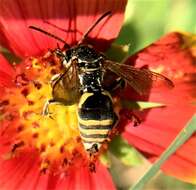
[105,160]
[117,52]
[178,21]
[184,135]
[140,105]
[124,152]
[144,23]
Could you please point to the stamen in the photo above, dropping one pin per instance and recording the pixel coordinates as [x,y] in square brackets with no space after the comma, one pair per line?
[56,140]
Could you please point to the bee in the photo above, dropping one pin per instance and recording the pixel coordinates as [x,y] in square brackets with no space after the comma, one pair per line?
[82,82]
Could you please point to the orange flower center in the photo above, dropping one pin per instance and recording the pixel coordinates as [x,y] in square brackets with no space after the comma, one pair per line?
[56,137]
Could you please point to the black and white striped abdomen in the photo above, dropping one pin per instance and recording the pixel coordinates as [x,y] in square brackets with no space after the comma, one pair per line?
[96,118]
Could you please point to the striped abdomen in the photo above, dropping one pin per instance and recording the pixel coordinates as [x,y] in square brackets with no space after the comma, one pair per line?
[96,119]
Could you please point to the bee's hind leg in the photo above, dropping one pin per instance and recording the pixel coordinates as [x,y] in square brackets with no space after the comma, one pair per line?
[132,117]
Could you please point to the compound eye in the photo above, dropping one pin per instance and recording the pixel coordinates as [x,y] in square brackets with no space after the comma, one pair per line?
[59,53]
[68,54]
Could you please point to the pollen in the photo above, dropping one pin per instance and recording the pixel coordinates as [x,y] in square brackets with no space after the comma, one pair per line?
[54,136]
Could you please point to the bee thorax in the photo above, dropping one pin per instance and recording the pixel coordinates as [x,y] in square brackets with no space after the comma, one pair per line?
[91,81]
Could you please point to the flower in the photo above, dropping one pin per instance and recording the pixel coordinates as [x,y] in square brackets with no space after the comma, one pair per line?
[43,152]
[173,56]
[73,18]
[32,144]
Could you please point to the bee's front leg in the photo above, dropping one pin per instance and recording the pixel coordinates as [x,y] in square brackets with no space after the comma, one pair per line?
[45,111]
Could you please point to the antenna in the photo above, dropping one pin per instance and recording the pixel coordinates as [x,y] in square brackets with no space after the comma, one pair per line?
[93,26]
[49,34]
[84,35]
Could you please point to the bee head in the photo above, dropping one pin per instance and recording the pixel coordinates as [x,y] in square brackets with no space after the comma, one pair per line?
[87,57]
[65,56]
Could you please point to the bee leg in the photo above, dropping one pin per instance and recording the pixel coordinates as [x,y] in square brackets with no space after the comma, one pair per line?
[132,117]
[92,154]
[118,83]
[92,167]
[45,111]
[136,120]
[93,150]
[55,78]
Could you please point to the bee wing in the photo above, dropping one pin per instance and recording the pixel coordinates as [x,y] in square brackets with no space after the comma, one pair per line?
[65,88]
[141,80]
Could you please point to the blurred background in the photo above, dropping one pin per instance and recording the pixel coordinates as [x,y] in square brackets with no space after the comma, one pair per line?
[148,20]
[145,22]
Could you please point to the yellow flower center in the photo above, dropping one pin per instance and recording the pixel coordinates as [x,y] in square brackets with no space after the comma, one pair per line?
[56,137]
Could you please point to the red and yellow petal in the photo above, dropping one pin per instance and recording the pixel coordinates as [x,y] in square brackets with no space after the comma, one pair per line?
[168,54]
[5,66]
[6,73]
[23,171]
[83,179]
[48,148]
[173,56]
[22,120]
[73,17]
[155,134]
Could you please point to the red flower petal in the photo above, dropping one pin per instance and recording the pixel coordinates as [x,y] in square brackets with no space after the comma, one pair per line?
[169,52]
[174,58]
[155,134]
[83,179]
[6,73]
[23,171]
[5,66]
[19,171]
[72,16]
